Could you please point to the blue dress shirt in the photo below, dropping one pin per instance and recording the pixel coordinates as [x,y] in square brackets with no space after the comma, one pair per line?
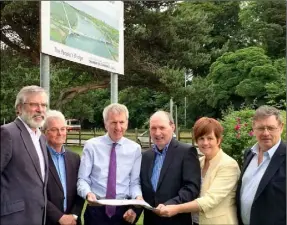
[94,168]
[251,180]
[59,162]
[158,162]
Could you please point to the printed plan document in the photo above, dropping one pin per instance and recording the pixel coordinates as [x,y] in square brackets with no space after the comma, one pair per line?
[119,202]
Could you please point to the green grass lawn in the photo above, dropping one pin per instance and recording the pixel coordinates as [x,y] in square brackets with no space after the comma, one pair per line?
[78,150]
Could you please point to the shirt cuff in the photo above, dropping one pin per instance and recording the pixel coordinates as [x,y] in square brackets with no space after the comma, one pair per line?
[136,194]
[75,216]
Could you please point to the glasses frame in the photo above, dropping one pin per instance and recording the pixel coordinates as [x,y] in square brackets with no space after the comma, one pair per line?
[269,129]
[35,104]
[58,130]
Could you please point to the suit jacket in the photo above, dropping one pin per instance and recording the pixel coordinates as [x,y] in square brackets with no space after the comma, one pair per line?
[23,192]
[179,182]
[55,192]
[269,205]
[217,195]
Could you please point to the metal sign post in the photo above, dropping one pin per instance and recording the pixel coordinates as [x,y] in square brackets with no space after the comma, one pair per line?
[114,88]
[45,73]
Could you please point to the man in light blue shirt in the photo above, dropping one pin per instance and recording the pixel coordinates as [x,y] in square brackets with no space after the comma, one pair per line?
[95,170]
[64,205]
[261,193]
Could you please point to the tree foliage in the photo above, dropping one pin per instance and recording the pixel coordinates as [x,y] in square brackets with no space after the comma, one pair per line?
[264,25]
[240,77]
[234,51]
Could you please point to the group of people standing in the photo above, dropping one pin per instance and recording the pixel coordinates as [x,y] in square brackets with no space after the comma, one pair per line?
[42,182]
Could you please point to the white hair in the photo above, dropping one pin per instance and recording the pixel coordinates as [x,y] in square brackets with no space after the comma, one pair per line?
[27,90]
[164,113]
[53,114]
[115,108]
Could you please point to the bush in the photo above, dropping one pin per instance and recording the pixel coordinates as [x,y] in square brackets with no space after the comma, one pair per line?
[238,134]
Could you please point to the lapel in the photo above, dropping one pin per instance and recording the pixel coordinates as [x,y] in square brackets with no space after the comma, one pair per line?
[54,172]
[170,156]
[247,160]
[29,146]
[69,171]
[43,148]
[211,171]
[275,163]
[151,160]
[248,157]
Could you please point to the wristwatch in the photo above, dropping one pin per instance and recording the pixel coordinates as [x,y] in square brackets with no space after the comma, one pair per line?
[75,216]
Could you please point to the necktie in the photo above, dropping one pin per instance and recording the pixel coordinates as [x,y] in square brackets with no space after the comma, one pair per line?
[157,168]
[111,186]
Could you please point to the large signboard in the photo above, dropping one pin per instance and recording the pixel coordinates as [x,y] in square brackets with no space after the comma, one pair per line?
[86,32]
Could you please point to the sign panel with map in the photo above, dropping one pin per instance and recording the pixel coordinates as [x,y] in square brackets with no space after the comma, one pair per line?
[86,32]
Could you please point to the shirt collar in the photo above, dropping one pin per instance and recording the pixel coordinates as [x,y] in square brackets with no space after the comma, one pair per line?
[38,132]
[270,152]
[156,150]
[54,152]
[110,141]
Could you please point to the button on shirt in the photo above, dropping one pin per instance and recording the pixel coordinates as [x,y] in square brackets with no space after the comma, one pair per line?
[251,180]
[158,162]
[59,162]
[94,168]
[36,141]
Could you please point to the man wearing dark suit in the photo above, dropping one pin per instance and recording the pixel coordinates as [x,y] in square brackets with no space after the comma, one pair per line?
[261,192]
[64,205]
[24,161]
[170,172]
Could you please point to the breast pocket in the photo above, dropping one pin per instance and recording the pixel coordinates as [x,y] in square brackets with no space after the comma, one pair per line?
[10,207]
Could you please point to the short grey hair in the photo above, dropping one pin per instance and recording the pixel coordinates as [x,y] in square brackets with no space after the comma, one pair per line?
[167,114]
[27,90]
[53,114]
[266,111]
[115,108]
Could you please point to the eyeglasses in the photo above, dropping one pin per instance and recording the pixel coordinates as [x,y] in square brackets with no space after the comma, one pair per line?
[57,130]
[35,105]
[269,129]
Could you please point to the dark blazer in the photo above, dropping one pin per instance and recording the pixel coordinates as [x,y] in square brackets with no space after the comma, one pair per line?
[179,182]
[55,191]
[23,192]
[269,206]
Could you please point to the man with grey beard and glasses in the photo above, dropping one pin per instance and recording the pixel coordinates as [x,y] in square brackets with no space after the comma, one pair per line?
[24,161]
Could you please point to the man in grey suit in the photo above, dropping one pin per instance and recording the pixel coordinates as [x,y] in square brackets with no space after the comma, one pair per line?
[24,161]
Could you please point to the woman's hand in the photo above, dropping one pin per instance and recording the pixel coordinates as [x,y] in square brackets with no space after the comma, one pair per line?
[168,210]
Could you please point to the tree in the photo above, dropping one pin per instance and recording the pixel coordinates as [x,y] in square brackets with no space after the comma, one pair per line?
[276,90]
[240,77]
[224,32]
[16,72]
[198,94]
[154,38]
[264,25]
[141,104]
[20,27]
[162,41]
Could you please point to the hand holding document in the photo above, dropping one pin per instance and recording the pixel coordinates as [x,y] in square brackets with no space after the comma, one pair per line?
[119,202]
[92,199]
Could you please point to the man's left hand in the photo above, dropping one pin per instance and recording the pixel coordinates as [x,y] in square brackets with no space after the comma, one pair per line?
[130,216]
